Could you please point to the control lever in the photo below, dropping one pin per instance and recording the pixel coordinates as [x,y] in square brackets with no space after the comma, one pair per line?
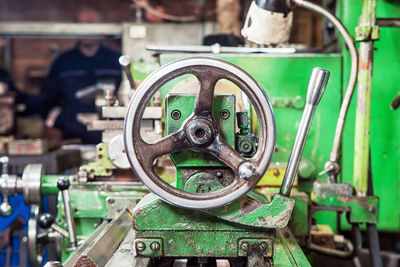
[63,185]
[46,220]
[316,87]
[5,207]
[125,62]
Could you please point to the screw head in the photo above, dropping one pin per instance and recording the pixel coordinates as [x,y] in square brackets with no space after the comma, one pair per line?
[176,114]
[263,246]
[140,246]
[244,246]
[225,114]
[6,209]
[219,174]
[155,246]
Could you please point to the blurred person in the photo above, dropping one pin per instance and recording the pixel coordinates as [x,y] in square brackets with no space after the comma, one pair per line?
[75,78]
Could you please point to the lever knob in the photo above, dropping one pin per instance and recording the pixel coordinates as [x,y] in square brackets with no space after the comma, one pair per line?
[316,86]
[63,184]
[45,220]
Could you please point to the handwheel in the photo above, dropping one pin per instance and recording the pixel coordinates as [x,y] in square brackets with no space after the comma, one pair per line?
[199,132]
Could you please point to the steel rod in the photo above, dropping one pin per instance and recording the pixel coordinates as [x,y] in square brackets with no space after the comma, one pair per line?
[316,88]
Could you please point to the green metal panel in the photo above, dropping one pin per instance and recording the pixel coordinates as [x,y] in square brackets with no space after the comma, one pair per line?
[385,122]
[185,105]
[287,76]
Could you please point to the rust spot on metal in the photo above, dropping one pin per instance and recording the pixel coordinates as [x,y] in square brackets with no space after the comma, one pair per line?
[85,261]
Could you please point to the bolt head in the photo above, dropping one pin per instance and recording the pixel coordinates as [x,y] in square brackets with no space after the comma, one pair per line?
[244,246]
[6,209]
[176,114]
[247,170]
[225,114]
[199,132]
[155,246]
[140,246]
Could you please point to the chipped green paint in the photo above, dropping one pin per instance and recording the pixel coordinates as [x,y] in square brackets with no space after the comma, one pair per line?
[363,111]
[245,211]
[202,243]
[360,209]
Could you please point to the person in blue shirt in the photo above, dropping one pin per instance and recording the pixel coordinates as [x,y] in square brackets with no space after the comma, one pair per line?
[75,78]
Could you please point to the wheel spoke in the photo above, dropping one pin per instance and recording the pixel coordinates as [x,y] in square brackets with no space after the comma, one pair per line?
[224,152]
[172,143]
[205,99]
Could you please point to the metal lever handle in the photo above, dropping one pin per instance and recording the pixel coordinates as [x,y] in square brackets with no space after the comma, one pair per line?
[125,62]
[63,185]
[316,87]
[5,208]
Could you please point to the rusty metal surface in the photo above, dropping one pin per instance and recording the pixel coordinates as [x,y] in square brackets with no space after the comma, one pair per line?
[200,132]
[97,250]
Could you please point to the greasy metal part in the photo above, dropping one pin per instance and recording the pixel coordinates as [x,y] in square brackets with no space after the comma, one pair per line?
[217,49]
[5,207]
[63,185]
[141,154]
[388,22]
[334,252]
[125,256]
[116,152]
[125,62]
[353,245]
[318,81]
[98,249]
[363,111]
[332,167]
[53,264]
[59,29]
[31,183]
[35,250]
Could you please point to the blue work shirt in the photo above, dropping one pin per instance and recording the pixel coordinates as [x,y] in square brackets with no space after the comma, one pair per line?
[72,84]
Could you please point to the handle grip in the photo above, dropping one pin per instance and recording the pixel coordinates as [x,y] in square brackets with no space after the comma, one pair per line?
[316,86]
[318,81]
[125,62]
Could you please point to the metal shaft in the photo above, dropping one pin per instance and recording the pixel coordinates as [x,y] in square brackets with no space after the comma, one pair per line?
[63,185]
[125,62]
[69,218]
[316,88]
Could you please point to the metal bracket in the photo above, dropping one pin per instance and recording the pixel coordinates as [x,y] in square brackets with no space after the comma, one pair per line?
[367,33]
[360,209]
[249,245]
